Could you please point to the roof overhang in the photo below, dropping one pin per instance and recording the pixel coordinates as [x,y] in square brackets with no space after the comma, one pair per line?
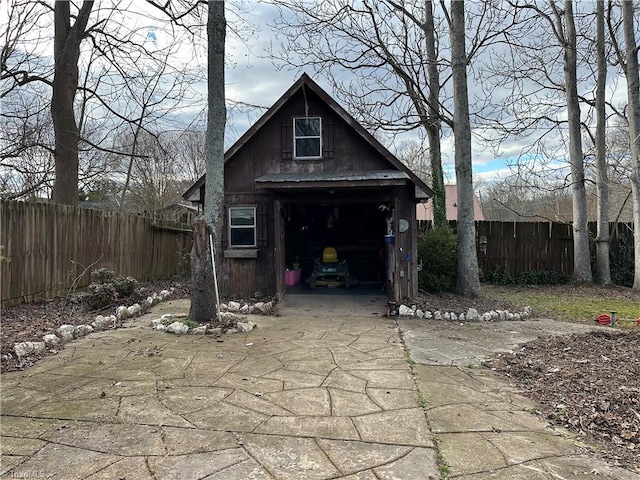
[193,193]
[320,180]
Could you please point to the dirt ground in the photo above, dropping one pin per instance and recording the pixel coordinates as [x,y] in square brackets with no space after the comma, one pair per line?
[28,322]
[589,384]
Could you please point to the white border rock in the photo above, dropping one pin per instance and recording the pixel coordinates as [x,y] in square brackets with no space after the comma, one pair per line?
[23,349]
[67,333]
[178,328]
[471,315]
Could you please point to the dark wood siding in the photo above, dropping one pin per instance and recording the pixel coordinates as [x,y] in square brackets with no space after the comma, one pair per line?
[270,150]
[245,276]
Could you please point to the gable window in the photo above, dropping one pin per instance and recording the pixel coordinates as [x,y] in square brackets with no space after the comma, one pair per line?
[242,226]
[307,137]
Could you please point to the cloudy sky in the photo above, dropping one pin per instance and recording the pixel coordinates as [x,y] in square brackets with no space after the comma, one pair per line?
[253,79]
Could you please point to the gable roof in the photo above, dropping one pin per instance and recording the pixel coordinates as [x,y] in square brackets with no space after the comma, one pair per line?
[422,189]
[424,211]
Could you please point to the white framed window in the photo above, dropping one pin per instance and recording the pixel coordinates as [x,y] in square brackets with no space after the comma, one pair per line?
[307,137]
[242,226]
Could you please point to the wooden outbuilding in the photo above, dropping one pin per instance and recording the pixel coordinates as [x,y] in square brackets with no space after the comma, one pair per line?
[307,176]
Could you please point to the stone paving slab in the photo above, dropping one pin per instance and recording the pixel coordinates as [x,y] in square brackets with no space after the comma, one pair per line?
[313,395]
[123,467]
[323,391]
[417,465]
[351,404]
[484,429]
[401,427]
[450,343]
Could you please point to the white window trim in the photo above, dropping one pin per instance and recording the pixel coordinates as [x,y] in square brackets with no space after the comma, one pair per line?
[319,137]
[232,227]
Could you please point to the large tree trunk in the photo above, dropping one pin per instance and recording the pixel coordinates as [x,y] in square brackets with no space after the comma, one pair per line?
[468,282]
[581,256]
[66,51]
[203,297]
[603,268]
[216,121]
[633,94]
[433,124]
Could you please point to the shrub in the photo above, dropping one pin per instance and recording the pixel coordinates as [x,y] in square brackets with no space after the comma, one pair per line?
[541,277]
[499,276]
[125,286]
[106,289]
[100,295]
[437,250]
[622,262]
[102,275]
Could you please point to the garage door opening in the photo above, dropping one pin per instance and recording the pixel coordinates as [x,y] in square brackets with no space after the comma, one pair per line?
[356,231]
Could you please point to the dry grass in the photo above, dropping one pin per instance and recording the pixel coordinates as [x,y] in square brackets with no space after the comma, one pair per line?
[575,303]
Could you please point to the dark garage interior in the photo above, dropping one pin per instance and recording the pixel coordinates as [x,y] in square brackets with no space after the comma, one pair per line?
[355,230]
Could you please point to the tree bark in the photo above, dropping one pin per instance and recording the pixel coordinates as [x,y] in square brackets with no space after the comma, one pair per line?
[433,124]
[203,297]
[603,268]
[581,256]
[66,52]
[633,94]
[468,282]
[216,121]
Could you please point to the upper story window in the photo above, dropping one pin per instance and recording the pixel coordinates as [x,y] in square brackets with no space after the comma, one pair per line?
[307,137]
[242,226]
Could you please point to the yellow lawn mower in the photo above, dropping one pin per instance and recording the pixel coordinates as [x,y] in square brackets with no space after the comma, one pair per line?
[330,272]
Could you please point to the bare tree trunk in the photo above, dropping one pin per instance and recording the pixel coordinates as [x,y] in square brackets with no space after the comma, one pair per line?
[468,282]
[66,51]
[434,122]
[633,94]
[203,305]
[216,121]
[603,268]
[581,257]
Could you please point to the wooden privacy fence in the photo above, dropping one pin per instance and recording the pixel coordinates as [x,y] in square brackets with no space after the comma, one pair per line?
[525,247]
[50,249]
[517,247]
